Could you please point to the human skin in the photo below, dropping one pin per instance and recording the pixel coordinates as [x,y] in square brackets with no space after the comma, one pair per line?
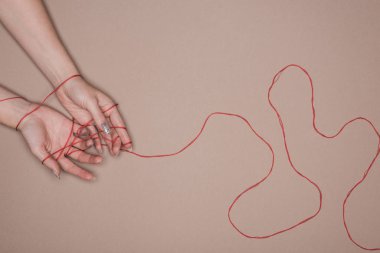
[45,132]
[28,22]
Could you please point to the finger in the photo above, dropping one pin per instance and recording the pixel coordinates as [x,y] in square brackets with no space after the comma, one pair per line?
[96,138]
[101,123]
[82,137]
[48,160]
[116,144]
[75,170]
[85,157]
[82,144]
[81,132]
[89,143]
[87,127]
[120,128]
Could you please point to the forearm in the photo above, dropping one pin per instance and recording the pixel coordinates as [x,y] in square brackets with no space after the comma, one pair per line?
[12,108]
[28,22]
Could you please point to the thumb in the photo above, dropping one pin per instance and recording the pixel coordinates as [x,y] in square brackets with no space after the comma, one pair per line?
[101,122]
[48,160]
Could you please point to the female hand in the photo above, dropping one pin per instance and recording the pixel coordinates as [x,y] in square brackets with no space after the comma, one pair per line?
[90,106]
[50,137]
[30,25]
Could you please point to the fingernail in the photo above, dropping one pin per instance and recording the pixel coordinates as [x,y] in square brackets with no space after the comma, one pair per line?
[130,149]
[106,128]
[57,174]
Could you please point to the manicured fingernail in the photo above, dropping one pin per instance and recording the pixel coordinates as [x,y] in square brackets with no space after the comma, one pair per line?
[106,128]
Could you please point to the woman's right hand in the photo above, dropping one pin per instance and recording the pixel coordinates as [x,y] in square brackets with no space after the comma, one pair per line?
[47,131]
[88,104]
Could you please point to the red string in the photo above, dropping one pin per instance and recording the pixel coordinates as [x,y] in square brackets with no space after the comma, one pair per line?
[44,100]
[68,145]
[11,98]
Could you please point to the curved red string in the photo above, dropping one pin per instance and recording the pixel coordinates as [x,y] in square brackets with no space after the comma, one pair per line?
[11,98]
[68,145]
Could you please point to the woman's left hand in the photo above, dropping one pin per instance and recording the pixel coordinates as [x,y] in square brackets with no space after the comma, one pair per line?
[50,137]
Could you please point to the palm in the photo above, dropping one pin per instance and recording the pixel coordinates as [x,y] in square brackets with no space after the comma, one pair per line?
[51,131]
[49,135]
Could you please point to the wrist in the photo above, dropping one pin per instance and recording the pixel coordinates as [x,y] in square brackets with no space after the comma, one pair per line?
[58,67]
[67,83]
[37,113]
[13,111]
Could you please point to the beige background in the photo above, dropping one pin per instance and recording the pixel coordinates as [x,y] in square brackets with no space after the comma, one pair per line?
[170,63]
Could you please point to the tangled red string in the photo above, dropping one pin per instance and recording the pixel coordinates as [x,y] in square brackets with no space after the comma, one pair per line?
[66,149]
